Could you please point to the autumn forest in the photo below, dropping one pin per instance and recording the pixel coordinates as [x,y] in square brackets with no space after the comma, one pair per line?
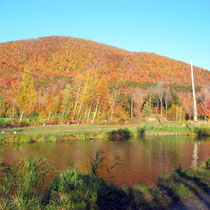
[69,79]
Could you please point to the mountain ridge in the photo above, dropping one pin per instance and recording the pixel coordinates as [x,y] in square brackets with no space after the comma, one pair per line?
[58,56]
[89,40]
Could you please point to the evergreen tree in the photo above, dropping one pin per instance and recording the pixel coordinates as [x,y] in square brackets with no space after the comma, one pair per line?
[147,110]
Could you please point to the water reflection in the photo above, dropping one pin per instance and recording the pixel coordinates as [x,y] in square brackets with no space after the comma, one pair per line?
[142,159]
[195,155]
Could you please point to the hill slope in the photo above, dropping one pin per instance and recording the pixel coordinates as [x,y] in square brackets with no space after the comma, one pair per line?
[59,58]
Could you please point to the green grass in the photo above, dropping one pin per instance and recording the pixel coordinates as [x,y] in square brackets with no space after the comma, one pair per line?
[173,129]
[22,187]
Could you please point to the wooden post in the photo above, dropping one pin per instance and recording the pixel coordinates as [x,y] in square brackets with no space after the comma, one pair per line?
[193,90]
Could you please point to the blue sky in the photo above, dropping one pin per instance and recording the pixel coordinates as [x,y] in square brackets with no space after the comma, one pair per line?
[179,29]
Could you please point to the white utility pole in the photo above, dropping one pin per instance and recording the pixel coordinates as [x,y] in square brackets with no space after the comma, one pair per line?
[193,90]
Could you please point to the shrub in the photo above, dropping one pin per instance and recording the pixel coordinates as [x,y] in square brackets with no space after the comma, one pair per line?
[52,138]
[202,132]
[42,138]
[4,122]
[84,191]
[147,110]
[25,139]
[119,135]
[141,131]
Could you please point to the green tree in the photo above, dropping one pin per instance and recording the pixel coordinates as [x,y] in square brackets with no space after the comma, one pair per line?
[27,95]
[147,110]
[4,106]
[175,98]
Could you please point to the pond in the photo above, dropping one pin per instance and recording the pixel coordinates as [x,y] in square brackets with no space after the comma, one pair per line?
[141,160]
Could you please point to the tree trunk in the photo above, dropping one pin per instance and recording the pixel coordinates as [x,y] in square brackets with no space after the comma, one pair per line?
[83,96]
[86,112]
[21,116]
[150,100]
[64,111]
[48,119]
[131,108]
[161,106]
[80,107]
[13,113]
[113,105]
[89,110]
[96,109]
[99,109]
[181,115]
[75,106]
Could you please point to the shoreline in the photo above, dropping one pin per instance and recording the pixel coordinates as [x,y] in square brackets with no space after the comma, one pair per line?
[89,132]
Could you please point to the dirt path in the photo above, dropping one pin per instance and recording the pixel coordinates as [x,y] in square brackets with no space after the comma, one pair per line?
[198,202]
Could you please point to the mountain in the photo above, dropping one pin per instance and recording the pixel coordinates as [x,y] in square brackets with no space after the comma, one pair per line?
[59,59]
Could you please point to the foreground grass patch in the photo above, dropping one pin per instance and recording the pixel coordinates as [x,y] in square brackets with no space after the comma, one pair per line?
[24,187]
[170,190]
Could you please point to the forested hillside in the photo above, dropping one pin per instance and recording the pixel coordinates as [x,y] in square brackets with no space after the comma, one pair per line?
[70,78]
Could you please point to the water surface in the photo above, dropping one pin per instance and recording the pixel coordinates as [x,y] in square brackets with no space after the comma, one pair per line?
[142,160]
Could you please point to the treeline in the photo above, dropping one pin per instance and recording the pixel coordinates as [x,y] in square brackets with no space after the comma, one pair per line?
[89,97]
[75,79]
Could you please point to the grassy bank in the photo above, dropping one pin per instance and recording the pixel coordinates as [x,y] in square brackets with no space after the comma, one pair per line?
[174,129]
[88,132]
[24,187]
[51,137]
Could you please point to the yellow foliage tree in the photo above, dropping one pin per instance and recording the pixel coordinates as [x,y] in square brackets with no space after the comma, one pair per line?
[26,94]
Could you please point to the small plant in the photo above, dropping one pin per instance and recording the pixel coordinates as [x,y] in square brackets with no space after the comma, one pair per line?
[97,163]
[207,162]
[141,131]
